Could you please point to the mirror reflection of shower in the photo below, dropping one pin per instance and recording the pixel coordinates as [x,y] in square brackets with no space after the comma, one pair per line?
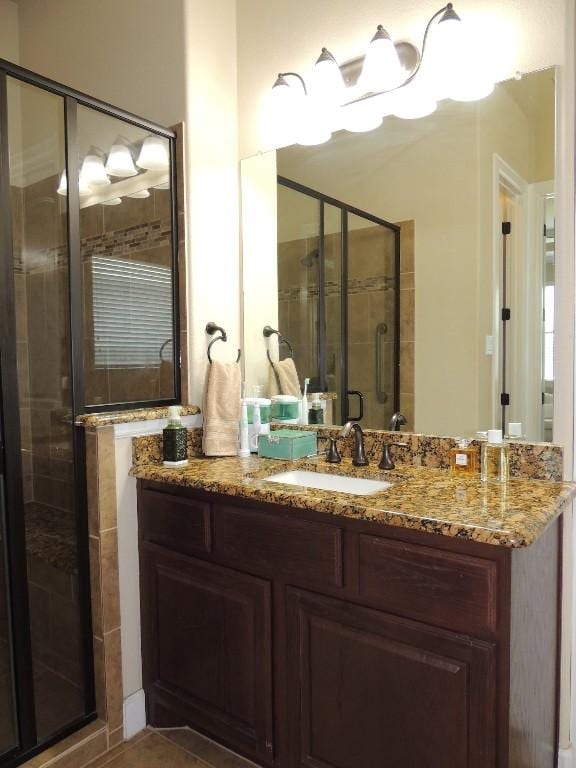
[338,287]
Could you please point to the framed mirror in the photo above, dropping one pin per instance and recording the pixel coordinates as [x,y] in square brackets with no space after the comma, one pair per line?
[412,268]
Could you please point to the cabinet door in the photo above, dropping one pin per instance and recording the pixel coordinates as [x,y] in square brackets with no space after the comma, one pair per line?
[370,690]
[207,650]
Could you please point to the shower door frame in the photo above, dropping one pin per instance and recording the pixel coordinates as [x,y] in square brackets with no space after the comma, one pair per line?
[10,457]
[345,211]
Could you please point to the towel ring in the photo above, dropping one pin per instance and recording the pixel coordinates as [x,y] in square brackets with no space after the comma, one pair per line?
[211,329]
[268,331]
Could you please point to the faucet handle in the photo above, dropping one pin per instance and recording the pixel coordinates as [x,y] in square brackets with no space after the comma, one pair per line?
[386,462]
[332,454]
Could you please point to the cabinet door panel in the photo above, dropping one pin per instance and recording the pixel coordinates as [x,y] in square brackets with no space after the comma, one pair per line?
[370,690]
[209,647]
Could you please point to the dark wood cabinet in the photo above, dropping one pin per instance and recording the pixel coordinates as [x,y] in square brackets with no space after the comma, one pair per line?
[368,688]
[302,640]
[208,649]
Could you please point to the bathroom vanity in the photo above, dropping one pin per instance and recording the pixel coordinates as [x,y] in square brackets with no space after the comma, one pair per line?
[413,627]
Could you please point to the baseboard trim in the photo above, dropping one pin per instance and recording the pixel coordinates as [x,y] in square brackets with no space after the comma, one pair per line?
[134,714]
[567,758]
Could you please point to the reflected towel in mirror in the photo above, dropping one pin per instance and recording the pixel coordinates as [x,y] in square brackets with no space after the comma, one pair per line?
[221,409]
[283,378]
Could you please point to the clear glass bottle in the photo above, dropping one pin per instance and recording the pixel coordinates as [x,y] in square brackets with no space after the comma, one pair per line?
[495,461]
[464,458]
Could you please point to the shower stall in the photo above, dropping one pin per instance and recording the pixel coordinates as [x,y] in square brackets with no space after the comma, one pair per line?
[88,322]
[339,301]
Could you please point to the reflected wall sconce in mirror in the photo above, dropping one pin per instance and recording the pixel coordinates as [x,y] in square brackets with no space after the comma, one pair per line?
[391,78]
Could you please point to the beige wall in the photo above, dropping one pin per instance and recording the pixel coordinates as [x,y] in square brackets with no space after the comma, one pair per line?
[9,37]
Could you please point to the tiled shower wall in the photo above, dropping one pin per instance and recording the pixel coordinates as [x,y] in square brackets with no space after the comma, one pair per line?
[138,230]
[370,302]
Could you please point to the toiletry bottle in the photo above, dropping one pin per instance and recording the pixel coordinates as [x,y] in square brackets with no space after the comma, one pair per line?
[304,403]
[464,458]
[316,414]
[174,438]
[256,428]
[515,431]
[494,463]
[244,447]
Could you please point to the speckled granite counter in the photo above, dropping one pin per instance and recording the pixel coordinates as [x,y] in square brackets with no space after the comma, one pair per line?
[424,499]
[125,417]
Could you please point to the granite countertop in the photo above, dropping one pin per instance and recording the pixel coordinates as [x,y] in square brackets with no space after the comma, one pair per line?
[107,418]
[424,499]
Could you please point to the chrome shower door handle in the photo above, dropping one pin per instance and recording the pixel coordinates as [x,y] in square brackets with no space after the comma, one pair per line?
[381,395]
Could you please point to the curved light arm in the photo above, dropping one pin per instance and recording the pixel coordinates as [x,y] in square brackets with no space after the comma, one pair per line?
[411,77]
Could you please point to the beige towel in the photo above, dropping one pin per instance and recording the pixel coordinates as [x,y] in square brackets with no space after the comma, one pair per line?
[222,393]
[283,378]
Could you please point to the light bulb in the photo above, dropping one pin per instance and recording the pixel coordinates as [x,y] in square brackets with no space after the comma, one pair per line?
[83,188]
[381,69]
[361,117]
[163,185]
[142,194]
[63,186]
[326,82]
[120,162]
[93,172]
[154,154]
[112,201]
[455,63]
[413,101]
[285,109]
[315,125]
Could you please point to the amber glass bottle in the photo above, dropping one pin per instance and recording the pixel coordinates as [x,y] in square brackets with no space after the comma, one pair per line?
[464,458]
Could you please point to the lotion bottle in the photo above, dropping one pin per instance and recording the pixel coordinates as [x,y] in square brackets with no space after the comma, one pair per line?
[244,447]
[174,439]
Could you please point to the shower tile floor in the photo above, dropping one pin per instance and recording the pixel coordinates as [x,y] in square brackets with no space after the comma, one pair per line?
[170,748]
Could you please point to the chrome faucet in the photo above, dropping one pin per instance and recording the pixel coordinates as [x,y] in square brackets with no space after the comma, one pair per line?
[359,456]
[398,420]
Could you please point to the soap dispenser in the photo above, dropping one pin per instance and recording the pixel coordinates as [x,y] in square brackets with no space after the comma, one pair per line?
[174,439]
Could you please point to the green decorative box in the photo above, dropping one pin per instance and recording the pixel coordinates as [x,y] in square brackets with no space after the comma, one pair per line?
[287,444]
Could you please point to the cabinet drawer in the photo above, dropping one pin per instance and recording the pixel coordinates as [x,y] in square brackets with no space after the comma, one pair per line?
[301,550]
[175,522]
[435,586]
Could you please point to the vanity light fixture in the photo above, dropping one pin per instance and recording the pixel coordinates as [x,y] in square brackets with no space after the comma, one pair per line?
[154,154]
[391,78]
[163,185]
[112,201]
[142,194]
[120,162]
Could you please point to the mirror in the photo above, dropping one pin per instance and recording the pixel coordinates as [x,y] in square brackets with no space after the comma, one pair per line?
[412,268]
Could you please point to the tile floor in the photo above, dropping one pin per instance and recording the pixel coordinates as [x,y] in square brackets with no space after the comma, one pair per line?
[172,748]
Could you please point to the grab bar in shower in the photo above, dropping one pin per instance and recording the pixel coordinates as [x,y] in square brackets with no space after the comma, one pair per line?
[381,395]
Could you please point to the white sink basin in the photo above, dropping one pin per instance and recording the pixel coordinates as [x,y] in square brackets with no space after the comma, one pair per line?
[328,482]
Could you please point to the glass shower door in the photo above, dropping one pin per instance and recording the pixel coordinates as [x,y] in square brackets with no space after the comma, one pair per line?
[8,731]
[48,500]
[372,298]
